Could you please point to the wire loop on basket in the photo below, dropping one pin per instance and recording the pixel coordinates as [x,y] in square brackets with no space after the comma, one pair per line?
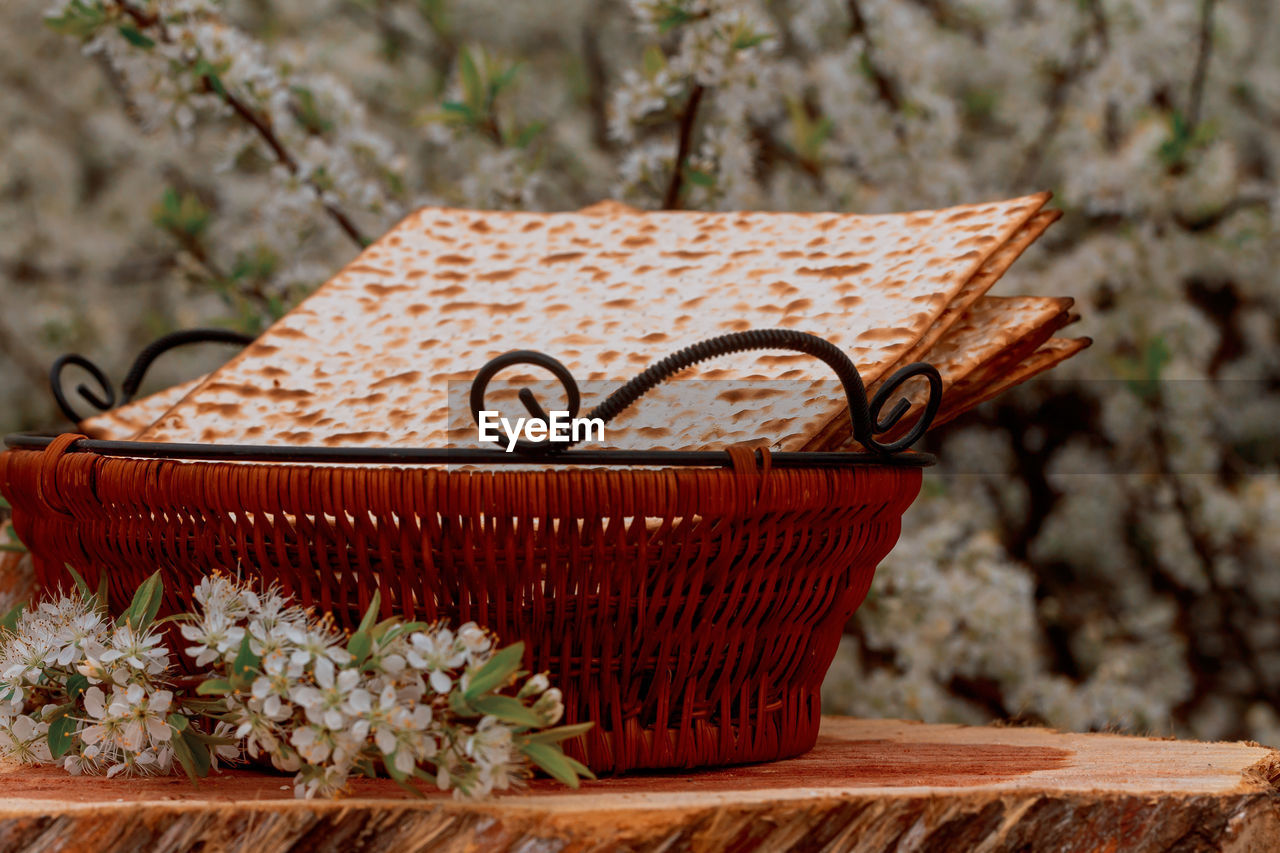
[864,416]
[137,371]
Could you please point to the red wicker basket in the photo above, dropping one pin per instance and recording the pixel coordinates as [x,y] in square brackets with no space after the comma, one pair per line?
[690,612]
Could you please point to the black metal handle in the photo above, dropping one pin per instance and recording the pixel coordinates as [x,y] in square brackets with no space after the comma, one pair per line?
[133,379]
[864,416]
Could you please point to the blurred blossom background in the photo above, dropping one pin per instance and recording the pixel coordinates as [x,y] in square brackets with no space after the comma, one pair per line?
[1099,550]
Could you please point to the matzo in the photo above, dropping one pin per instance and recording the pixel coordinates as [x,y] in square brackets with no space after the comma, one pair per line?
[993,327]
[126,421]
[1052,353]
[366,360]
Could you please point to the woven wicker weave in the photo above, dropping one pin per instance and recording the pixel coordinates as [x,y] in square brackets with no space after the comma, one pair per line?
[690,612]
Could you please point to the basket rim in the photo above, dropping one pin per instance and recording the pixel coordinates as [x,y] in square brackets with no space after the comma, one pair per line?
[395,456]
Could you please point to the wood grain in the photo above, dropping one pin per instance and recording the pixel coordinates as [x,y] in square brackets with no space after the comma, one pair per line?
[868,785]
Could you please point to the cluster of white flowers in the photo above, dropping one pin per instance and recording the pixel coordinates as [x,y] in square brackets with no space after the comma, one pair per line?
[275,683]
[1133,563]
[65,656]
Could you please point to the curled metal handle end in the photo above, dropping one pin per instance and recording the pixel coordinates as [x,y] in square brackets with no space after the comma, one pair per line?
[60,396]
[138,370]
[865,417]
[480,385]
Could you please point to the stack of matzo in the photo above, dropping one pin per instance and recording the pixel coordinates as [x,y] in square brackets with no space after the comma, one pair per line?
[382,354]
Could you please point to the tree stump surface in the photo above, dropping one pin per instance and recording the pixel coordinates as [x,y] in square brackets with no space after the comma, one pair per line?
[868,785]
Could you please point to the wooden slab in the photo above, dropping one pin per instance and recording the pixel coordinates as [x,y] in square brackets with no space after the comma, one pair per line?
[868,785]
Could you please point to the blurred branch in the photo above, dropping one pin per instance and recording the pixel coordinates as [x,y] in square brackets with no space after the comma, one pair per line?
[1226,604]
[1203,54]
[1077,66]
[1208,220]
[772,151]
[439,51]
[597,78]
[283,156]
[36,372]
[671,200]
[887,88]
[127,103]
[948,17]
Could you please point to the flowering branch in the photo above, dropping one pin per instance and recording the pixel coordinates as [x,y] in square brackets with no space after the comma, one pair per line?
[212,85]
[209,64]
[716,48]
[284,157]
[274,683]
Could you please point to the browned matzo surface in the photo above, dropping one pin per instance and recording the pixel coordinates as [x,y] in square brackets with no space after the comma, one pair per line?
[367,359]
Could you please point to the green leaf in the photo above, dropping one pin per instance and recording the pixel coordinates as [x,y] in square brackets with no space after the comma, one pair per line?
[178,722]
[183,215]
[4,503]
[13,549]
[699,178]
[308,112]
[744,37]
[276,307]
[245,666]
[100,598]
[404,783]
[204,707]
[654,61]
[1142,373]
[473,93]
[553,761]
[371,614]
[61,731]
[136,38]
[77,684]
[186,759]
[503,80]
[211,740]
[458,704]
[392,771]
[9,620]
[202,761]
[215,83]
[674,16]
[508,709]
[528,133]
[578,767]
[145,605]
[556,735]
[361,643]
[81,585]
[496,672]
[387,630]
[78,19]
[360,646]
[434,12]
